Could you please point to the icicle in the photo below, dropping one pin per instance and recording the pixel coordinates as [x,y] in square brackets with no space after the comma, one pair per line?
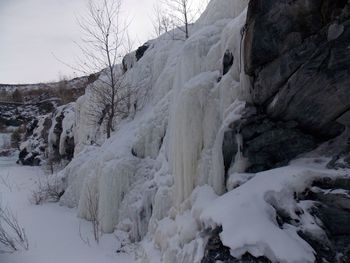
[240,162]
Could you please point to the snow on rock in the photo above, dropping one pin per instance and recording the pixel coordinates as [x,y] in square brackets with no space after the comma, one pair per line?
[68,124]
[32,150]
[247,214]
[129,60]
[49,136]
[61,133]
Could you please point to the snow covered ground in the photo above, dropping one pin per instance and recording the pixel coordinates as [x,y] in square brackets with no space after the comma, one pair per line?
[52,230]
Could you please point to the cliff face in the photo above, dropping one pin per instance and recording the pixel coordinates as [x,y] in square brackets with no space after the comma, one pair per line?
[298,58]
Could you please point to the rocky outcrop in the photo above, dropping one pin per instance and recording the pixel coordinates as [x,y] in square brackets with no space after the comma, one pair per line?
[16,114]
[331,207]
[131,58]
[215,251]
[297,56]
[141,51]
[267,143]
[227,62]
[32,150]
[61,135]
[49,136]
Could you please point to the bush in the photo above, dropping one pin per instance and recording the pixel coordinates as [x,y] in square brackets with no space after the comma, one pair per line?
[12,235]
[46,192]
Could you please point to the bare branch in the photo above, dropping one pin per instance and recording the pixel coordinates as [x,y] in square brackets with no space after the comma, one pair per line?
[12,235]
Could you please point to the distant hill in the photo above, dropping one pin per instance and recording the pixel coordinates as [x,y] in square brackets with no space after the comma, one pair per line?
[66,90]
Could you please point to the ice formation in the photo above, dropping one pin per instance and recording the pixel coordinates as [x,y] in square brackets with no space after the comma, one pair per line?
[182,103]
[159,176]
[63,120]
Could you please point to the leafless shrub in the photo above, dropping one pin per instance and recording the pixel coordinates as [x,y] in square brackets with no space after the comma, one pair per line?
[64,92]
[85,240]
[162,22]
[12,235]
[181,13]
[92,206]
[6,182]
[46,192]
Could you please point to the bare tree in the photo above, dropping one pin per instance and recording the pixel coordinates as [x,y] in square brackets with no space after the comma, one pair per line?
[162,22]
[92,200]
[103,49]
[48,191]
[182,13]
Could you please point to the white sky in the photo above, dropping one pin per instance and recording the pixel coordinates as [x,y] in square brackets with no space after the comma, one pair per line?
[32,30]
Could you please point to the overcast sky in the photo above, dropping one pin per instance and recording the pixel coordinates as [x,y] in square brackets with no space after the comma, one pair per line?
[31,31]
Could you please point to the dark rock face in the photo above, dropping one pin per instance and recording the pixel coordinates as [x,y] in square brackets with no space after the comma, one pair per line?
[17,114]
[70,145]
[38,147]
[297,55]
[267,144]
[227,62]
[141,51]
[38,142]
[332,209]
[29,159]
[215,251]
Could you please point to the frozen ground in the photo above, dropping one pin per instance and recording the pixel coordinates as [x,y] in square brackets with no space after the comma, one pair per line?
[52,230]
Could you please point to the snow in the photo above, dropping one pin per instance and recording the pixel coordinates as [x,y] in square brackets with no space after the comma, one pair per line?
[146,172]
[248,217]
[160,179]
[68,123]
[221,9]
[52,230]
